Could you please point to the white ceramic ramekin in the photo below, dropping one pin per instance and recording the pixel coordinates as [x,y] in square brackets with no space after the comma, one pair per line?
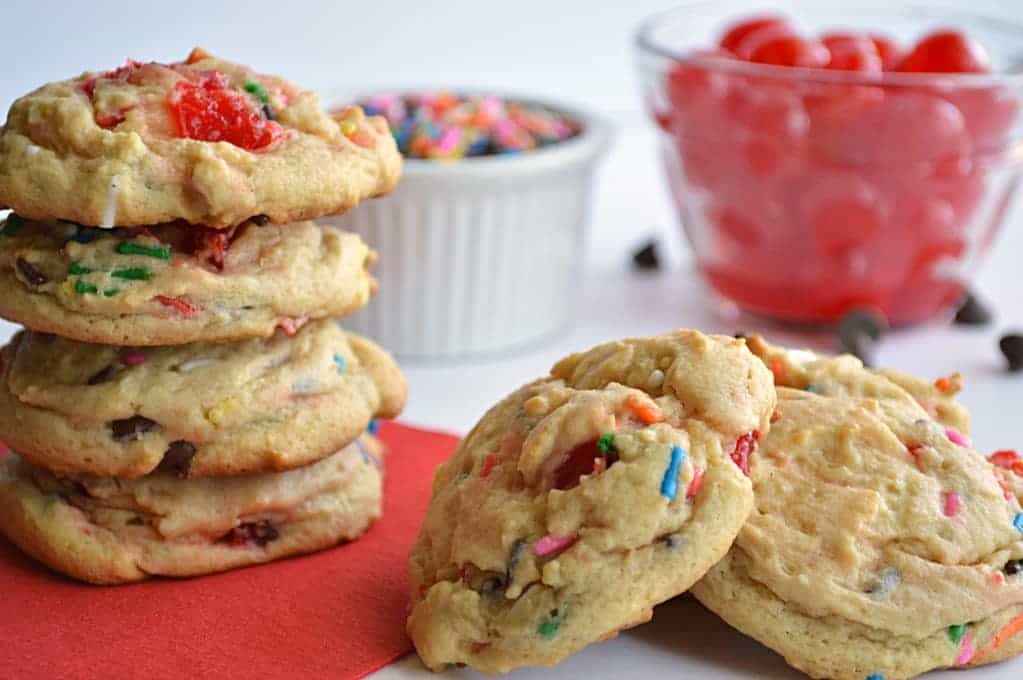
[478,255]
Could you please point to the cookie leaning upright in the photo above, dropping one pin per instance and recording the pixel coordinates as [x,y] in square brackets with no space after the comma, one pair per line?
[882,544]
[205,140]
[585,498]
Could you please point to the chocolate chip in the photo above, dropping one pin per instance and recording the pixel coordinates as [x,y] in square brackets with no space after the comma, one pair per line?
[1013,567]
[260,533]
[102,375]
[33,276]
[646,258]
[859,332]
[514,557]
[972,312]
[1012,347]
[268,112]
[131,429]
[178,458]
[492,586]
[259,220]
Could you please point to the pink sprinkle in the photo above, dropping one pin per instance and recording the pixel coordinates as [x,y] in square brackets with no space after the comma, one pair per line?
[966,651]
[999,578]
[952,504]
[956,437]
[552,543]
[449,140]
[133,358]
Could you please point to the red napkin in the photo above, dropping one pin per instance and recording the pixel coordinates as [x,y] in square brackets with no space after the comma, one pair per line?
[338,614]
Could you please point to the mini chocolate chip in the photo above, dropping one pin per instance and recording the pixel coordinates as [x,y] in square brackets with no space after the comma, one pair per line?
[33,276]
[1013,567]
[646,257]
[178,458]
[136,521]
[492,586]
[740,336]
[131,429]
[1012,347]
[259,220]
[859,332]
[514,557]
[268,112]
[972,312]
[102,375]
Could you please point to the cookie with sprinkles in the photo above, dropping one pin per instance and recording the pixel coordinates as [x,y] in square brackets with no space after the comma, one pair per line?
[107,531]
[202,140]
[176,283]
[881,542]
[200,409]
[585,498]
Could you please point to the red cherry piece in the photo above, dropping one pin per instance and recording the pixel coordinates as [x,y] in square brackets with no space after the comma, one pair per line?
[889,51]
[744,448]
[851,52]
[177,304]
[216,115]
[754,39]
[791,51]
[738,32]
[584,459]
[1007,460]
[488,465]
[946,52]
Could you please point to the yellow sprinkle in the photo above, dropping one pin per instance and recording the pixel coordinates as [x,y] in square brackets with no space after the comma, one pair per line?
[348,128]
[216,414]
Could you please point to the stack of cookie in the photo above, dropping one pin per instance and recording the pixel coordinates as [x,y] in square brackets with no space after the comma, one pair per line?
[182,400]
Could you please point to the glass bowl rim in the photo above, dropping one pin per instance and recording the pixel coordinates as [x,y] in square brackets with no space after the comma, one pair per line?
[645,42]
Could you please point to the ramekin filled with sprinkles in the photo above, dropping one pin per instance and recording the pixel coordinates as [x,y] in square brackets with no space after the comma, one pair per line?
[481,240]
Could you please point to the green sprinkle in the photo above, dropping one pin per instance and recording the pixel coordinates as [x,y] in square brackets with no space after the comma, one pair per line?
[77,269]
[549,628]
[462,476]
[606,443]
[132,273]
[258,91]
[130,248]
[956,632]
[111,292]
[12,224]
[81,287]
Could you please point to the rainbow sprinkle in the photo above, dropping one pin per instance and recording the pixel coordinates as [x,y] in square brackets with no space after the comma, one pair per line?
[875,676]
[130,248]
[549,628]
[966,650]
[374,426]
[552,543]
[956,437]
[446,125]
[1017,522]
[953,502]
[956,632]
[606,443]
[133,358]
[340,362]
[669,485]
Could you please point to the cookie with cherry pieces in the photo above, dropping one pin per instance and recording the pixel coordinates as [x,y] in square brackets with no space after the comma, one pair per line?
[203,140]
[585,498]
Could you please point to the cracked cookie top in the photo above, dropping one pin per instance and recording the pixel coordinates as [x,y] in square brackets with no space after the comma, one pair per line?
[585,498]
[203,140]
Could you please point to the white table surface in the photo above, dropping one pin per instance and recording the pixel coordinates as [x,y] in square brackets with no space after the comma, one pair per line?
[631,204]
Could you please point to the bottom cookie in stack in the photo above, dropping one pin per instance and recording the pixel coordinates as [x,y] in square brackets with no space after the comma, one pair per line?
[881,544]
[108,531]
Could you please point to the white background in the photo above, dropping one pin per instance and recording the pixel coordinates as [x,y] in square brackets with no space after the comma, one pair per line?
[578,51]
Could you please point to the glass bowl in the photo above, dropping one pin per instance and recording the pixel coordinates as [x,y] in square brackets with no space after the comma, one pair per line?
[806,193]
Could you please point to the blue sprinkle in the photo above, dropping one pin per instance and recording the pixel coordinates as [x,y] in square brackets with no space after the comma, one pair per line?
[875,676]
[340,361]
[812,389]
[373,427]
[669,487]
[367,457]
[1017,522]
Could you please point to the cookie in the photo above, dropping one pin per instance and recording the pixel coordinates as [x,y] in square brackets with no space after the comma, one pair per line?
[201,410]
[882,544]
[109,531]
[205,140]
[175,283]
[585,498]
